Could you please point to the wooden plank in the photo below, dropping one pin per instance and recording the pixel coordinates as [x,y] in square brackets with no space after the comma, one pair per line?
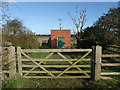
[1,75]
[5,47]
[93,63]
[48,56]
[113,51]
[110,55]
[96,63]
[61,55]
[70,62]
[58,66]
[5,71]
[111,73]
[56,71]
[104,78]
[19,60]
[12,60]
[56,50]
[114,47]
[110,64]
[59,77]
[55,60]
[8,62]
[73,64]
[38,65]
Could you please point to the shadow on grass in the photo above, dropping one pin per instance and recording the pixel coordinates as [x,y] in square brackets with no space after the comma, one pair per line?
[20,82]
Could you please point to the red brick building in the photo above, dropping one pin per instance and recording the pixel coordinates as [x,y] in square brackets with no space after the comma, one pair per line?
[60,38]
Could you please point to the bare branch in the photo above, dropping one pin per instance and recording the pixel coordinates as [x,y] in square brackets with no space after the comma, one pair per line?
[79,20]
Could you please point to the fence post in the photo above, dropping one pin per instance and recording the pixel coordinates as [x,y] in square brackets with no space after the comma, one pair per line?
[96,63]
[19,60]
[12,61]
[1,77]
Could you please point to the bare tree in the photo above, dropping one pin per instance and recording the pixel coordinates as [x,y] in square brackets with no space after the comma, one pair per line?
[5,15]
[79,21]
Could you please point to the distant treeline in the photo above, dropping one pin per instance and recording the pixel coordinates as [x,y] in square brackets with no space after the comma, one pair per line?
[49,35]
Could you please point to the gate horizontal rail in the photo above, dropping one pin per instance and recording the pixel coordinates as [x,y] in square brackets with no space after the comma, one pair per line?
[56,71]
[71,63]
[56,50]
[55,59]
[59,77]
[58,66]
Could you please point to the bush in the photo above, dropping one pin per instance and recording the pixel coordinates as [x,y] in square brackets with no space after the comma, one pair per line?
[86,44]
[14,33]
[73,46]
[96,35]
[45,47]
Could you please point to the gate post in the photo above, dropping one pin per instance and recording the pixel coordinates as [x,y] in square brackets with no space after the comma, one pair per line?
[19,60]
[12,61]
[96,63]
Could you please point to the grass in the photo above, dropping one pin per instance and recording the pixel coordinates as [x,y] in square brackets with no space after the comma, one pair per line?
[60,83]
[0,85]
[103,84]
[18,82]
[40,55]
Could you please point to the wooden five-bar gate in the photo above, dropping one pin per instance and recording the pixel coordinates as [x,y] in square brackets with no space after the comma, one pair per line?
[44,64]
[87,65]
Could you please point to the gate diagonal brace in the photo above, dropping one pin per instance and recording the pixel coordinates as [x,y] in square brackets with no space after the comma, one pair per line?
[73,64]
[38,65]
